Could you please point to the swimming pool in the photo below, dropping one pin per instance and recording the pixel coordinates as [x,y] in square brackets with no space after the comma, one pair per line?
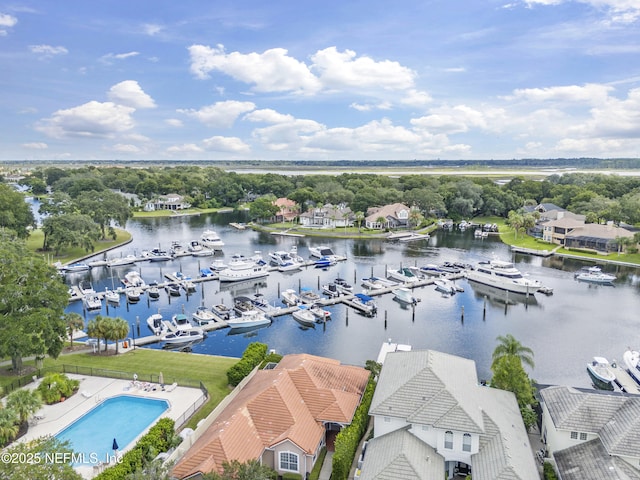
[122,418]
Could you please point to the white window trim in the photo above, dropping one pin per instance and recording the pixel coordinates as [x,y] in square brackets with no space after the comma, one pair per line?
[280,467]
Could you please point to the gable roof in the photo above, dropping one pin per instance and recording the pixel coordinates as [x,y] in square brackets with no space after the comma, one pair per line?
[441,390]
[590,461]
[387,211]
[289,402]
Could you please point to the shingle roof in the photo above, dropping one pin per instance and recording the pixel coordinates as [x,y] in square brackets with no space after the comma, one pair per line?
[288,402]
[387,211]
[433,388]
[590,461]
[400,455]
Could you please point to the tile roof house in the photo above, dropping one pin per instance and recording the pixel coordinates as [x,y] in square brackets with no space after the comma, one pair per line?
[591,435]
[573,233]
[288,210]
[281,417]
[328,216]
[432,418]
[395,215]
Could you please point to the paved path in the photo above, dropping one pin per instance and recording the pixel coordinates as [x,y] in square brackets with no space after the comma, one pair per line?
[325,471]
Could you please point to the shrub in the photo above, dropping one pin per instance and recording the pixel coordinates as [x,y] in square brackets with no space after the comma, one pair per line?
[56,386]
[253,356]
[549,472]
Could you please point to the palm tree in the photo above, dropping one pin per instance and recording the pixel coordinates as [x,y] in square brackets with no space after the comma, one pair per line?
[98,328]
[510,347]
[118,330]
[24,403]
[74,322]
[359,218]
[9,427]
[381,221]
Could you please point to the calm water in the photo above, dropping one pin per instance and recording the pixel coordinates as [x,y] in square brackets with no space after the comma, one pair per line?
[565,330]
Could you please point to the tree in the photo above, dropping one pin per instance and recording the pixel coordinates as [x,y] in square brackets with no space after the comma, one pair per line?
[69,230]
[104,207]
[117,329]
[509,375]
[234,470]
[263,208]
[15,213]
[510,347]
[516,221]
[39,470]
[33,302]
[9,426]
[374,367]
[99,328]
[359,216]
[73,322]
[24,403]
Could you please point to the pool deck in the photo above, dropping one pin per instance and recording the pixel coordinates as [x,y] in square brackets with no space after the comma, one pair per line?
[51,419]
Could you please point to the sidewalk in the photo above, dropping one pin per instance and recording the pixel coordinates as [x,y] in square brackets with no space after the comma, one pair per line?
[327,467]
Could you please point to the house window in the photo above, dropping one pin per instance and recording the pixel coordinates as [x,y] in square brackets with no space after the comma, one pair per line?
[448,439]
[289,461]
[466,442]
[583,436]
[574,435]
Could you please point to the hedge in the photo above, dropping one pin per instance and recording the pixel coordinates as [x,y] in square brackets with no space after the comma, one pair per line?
[158,439]
[349,437]
[253,356]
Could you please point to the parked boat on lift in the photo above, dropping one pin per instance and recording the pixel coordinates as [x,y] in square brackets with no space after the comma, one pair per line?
[92,302]
[133,294]
[378,283]
[343,286]
[321,313]
[323,251]
[331,290]
[184,336]
[304,316]
[153,291]
[133,279]
[173,289]
[76,267]
[243,268]
[122,261]
[308,296]
[446,286]
[631,360]
[248,318]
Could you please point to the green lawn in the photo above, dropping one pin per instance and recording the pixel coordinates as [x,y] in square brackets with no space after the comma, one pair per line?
[208,369]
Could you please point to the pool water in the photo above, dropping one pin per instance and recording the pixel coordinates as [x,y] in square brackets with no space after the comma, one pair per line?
[122,418]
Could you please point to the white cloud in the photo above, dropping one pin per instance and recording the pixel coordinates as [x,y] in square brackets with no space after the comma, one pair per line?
[92,119]
[36,145]
[267,115]
[48,50]
[152,29]
[367,107]
[589,94]
[226,144]
[220,114]
[126,148]
[184,148]
[613,119]
[174,122]
[458,119]
[130,93]
[619,11]
[416,98]
[6,21]
[110,57]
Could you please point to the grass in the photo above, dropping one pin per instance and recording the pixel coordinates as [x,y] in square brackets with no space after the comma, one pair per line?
[174,213]
[36,240]
[208,369]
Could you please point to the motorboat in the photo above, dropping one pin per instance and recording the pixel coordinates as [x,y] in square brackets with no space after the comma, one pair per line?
[404,295]
[503,275]
[243,304]
[446,286]
[206,273]
[242,268]
[431,269]
[76,267]
[224,312]
[403,275]
[594,274]
[157,255]
[331,290]
[203,316]
[631,359]
[323,251]
[181,322]
[304,316]
[184,336]
[308,296]
[364,303]
[248,318]
[173,289]
[320,312]
[196,249]
[449,267]
[480,233]
[133,279]
[501,297]
[601,373]
[290,297]
[210,239]
[86,288]
[343,286]
[122,261]
[217,265]
[92,302]
[324,262]
[156,324]
[414,236]
[177,249]
[133,294]
[284,261]
[97,263]
[293,254]
[112,296]
[188,285]
[153,291]
[377,283]
[260,302]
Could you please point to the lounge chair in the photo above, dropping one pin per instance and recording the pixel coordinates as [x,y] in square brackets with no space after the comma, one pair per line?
[86,394]
[172,387]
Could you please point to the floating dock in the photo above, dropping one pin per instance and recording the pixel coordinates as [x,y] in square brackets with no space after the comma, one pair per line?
[624,380]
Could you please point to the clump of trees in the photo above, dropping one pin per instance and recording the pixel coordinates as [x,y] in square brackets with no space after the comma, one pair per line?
[39,470]
[55,387]
[108,329]
[253,355]
[20,405]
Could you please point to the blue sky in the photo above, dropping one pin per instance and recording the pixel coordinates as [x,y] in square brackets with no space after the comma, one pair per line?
[296,80]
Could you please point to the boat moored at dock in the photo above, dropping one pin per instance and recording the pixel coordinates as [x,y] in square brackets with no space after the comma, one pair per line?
[503,275]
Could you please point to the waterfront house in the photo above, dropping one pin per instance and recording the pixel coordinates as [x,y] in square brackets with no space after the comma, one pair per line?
[328,216]
[548,212]
[573,233]
[591,435]
[432,418]
[288,210]
[282,417]
[171,201]
[395,215]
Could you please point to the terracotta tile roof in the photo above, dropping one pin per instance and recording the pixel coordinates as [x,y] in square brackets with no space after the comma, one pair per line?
[289,402]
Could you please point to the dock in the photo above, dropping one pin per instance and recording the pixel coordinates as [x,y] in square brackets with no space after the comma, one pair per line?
[238,226]
[624,380]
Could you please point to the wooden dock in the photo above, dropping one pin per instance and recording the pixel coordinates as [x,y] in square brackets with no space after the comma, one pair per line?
[624,380]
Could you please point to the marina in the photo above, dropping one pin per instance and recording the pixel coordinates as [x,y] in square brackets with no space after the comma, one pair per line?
[563,329]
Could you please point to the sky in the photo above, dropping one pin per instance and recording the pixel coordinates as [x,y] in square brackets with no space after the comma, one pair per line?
[310,80]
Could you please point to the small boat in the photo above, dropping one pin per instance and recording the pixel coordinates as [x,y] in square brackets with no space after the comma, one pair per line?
[156,324]
[249,318]
[449,267]
[308,296]
[222,311]
[122,261]
[218,265]
[331,290]
[210,239]
[92,302]
[414,236]
[594,275]
[181,322]
[324,262]
[404,295]
[290,297]
[177,249]
[600,372]
[431,269]
[446,286]
[323,251]
[480,233]
[343,286]
[377,283]
[304,316]
[203,316]
[188,285]
[403,275]
[284,261]
[320,312]
[293,253]
[76,267]
[260,302]
[365,304]
[196,249]
[184,336]
[546,290]
[631,360]
[173,289]
[112,296]
[97,263]
[86,288]
[206,273]
[157,255]
[242,268]
[133,279]
[153,291]
[133,294]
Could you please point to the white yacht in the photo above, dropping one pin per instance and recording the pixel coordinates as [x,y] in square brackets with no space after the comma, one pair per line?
[181,322]
[304,316]
[403,275]
[284,261]
[631,360]
[323,251]
[133,279]
[249,318]
[211,239]
[290,297]
[121,261]
[594,275]
[203,316]
[112,296]
[503,275]
[156,324]
[242,268]
[404,295]
[377,283]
